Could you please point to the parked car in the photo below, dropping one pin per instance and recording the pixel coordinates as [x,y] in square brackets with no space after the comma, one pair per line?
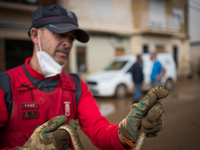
[115,80]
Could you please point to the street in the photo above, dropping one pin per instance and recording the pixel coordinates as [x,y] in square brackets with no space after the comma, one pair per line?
[181,118]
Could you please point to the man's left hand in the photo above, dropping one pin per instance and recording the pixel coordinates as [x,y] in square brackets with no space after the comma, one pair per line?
[147,116]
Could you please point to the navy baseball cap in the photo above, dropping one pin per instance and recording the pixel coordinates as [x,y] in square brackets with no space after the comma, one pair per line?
[58,20]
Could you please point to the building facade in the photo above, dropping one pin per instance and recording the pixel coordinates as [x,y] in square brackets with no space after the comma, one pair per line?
[194,34]
[161,26]
[115,28]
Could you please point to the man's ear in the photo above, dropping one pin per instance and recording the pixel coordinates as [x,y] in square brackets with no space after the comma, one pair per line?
[34,35]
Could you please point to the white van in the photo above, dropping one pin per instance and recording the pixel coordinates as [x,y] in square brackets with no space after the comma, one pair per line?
[116,80]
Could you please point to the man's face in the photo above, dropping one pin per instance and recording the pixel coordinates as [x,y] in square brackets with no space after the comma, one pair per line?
[153,57]
[139,59]
[58,46]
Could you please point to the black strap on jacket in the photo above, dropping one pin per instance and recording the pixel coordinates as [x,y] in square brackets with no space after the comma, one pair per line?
[6,88]
[77,82]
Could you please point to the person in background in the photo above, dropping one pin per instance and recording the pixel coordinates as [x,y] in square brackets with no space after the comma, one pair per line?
[137,77]
[38,97]
[158,71]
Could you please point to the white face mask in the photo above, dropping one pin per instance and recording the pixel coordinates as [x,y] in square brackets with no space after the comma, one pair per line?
[47,64]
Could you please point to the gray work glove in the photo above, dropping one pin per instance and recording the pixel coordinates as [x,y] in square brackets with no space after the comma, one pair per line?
[48,136]
[147,115]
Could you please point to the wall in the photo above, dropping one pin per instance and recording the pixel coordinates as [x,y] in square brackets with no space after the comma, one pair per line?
[138,7]
[195,54]
[15,20]
[194,33]
[183,49]
[100,51]
[194,21]
[102,16]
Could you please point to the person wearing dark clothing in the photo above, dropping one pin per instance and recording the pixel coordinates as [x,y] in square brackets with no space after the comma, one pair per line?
[137,77]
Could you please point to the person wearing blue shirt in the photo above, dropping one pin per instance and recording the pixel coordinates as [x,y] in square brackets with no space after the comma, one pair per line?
[158,71]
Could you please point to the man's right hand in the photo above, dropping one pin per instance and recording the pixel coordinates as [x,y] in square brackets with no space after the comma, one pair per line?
[47,136]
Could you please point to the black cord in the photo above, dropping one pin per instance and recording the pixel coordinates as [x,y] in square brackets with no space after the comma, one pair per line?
[29,87]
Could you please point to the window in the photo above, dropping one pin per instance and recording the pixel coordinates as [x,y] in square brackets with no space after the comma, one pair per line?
[17,51]
[178,14]
[157,14]
[145,48]
[160,48]
[119,52]
[117,65]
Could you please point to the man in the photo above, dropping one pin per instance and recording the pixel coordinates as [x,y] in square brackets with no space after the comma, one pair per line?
[137,77]
[158,71]
[40,93]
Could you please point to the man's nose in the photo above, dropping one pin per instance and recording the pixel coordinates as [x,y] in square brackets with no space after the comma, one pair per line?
[66,42]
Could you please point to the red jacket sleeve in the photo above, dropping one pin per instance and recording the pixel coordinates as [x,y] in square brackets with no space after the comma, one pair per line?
[103,134]
[3,113]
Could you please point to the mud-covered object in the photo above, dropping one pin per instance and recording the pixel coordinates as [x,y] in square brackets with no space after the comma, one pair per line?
[47,136]
[146,115]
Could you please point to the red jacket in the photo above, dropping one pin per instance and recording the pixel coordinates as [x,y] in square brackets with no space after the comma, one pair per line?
[32,107]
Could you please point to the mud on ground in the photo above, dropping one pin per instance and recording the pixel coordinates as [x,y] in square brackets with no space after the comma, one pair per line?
[181,118]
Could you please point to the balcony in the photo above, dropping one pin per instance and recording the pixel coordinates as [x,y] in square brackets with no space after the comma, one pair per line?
[105,20]
[158,24]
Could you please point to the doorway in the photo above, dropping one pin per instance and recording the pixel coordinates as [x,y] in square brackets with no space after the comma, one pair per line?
[81,59]
[175,55]
[16,51]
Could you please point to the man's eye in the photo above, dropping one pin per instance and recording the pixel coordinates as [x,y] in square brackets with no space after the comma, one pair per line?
[72,38]
[63,35]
